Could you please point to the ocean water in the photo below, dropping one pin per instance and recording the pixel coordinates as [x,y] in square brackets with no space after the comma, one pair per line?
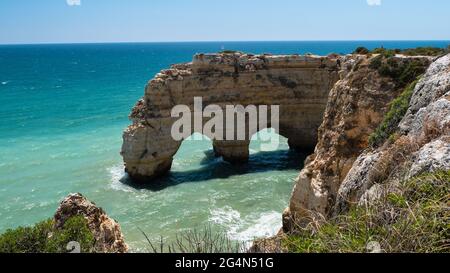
[62,112]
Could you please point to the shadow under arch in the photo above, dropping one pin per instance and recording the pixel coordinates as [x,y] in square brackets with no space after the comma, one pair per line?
[212,167]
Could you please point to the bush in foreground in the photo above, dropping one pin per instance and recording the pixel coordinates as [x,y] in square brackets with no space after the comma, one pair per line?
[43,238]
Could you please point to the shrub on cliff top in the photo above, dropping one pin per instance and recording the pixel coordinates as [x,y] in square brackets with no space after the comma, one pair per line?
[419,51]
[229,51]
[424,51]
[361,50]
[387,53]
[402,73]
[394,116]
[376,62]
[413,218]
[43,238]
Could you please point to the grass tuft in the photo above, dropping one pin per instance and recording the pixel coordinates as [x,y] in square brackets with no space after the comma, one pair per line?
[197,241]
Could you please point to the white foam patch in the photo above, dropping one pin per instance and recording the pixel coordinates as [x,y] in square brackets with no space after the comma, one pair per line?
[268,224]
[117,174]
[245,230]
[226,216]
[5,83]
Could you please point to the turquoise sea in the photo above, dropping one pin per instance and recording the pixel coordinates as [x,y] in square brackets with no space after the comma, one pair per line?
[62,112]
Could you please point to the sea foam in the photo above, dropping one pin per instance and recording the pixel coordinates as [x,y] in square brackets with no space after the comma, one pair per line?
[246,229]
[117,175]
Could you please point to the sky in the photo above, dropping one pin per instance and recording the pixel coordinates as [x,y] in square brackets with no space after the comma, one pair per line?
[87,21]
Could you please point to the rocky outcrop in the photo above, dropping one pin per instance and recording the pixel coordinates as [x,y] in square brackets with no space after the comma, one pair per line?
[432,157]
[423,144]
[356,107]
[298,84]
[106,231]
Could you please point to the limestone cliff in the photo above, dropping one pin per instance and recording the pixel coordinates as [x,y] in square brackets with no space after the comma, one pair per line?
[421,145]
[106,231]
[342,170]
[356,107]
[298,84]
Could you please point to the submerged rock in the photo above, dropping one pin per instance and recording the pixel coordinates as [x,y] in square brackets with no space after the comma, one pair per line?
[106,231]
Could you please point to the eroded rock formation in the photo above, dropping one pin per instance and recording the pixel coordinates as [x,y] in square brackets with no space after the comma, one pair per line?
[106,231]
[356,107]
[422,146]
[299,84]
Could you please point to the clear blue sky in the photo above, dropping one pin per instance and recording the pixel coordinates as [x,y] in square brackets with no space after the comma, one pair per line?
[55,21]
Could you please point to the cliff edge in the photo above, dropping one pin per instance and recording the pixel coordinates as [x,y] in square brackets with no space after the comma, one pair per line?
[357,159]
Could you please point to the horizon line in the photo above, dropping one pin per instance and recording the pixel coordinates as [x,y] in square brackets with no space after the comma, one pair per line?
[218,41]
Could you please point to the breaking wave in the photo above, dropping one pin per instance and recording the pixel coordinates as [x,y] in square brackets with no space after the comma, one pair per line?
[117,176]
[246,229]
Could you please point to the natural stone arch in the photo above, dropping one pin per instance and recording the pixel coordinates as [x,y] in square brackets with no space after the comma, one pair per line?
[298,84]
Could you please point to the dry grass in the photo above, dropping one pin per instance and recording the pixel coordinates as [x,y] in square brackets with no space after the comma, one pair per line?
[413,217]
[393,159]
[197,241]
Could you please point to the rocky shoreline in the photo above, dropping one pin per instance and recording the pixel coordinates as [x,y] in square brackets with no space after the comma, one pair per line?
[346,169]
[379,125]
[363,86]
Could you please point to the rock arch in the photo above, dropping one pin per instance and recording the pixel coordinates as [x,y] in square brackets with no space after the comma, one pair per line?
[298,84]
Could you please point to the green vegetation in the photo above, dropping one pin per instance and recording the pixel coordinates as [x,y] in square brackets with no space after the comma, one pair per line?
[197,241]
[405,75]
[376,62]
[413,218]
[229,52]
[361,50]
[426,51]
[397,111]
[387,53]
[44,238]
[419,51]
[402,73]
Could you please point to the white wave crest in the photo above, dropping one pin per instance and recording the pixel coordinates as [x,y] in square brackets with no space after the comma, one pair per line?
[226,216]
[117,174]
[268,224]
[247,229]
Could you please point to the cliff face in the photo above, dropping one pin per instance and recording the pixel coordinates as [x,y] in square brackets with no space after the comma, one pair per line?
[298,84]
[421,145]
[356,107]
